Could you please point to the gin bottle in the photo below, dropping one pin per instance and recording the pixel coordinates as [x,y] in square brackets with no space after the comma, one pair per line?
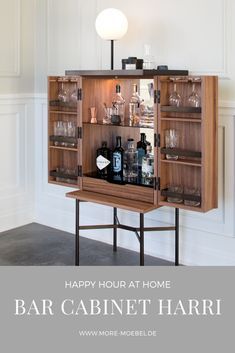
[103,161]
[148,167]
[130,167]
[117,161]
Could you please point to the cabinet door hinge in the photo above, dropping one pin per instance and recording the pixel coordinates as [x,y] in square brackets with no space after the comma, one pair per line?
[79,132]
[79,94]
[79,171]
[157,183]
[157,96]
[157,140]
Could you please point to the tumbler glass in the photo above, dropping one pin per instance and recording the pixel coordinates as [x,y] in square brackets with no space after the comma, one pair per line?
[171,141]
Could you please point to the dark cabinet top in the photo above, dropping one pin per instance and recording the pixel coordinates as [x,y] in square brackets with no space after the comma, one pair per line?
[126,73]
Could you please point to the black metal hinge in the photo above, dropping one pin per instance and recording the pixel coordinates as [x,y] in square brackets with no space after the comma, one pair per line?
[79,132]
[79,172]
[157,185]
[79,94]
[157,140]
[157,96]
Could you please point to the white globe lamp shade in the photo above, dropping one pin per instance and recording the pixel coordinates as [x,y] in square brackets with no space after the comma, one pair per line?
[111,24]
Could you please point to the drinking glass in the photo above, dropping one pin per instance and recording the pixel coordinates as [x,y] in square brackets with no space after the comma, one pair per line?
[178,189]
[73,97]
[108,112]
[63,95]
[171,141]
[65,132]
[194,192]
[58,131]
[194,99]
[175,99]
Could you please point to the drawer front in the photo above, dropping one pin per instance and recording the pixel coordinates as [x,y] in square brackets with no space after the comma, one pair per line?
[131,192]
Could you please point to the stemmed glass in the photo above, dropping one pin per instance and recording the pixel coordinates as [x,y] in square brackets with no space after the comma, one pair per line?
[63,95]
[194,99]
[175,99]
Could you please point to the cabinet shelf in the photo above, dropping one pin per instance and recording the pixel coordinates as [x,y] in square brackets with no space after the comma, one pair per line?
[56,174]
[189,162]
[181,206]
[180,152]
[63,112]
[94,175]
[71,140]
[168,108]
[182,196]
[182,119]
[56,105]
[63,148]
[114,125]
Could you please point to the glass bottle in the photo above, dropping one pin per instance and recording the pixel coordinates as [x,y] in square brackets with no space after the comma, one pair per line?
[103,163]
[130,164]
[142,147]
[148,167]
[117,161]
[118,102]
[135,107]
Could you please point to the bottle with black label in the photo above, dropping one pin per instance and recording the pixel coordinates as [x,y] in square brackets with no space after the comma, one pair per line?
[103,161]
[117,160]
[142,148]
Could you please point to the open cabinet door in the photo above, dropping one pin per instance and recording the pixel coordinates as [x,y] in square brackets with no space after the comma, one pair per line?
[187,157]
[64,130]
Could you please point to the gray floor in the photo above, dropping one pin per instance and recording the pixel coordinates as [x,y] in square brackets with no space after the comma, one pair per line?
[37,245]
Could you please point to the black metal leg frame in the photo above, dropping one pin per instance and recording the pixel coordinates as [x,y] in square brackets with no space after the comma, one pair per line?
[139,232]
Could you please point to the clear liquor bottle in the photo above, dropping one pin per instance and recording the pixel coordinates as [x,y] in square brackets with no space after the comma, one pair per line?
[118,102]
[130,165]
[117,161]
[135,107]
[148,167]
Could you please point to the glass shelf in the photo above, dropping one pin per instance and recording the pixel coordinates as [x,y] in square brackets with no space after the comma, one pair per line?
[99,123]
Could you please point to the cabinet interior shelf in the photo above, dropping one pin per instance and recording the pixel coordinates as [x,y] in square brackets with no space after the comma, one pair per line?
[168,108]
[63,112]
[56,174]
[180,152]
[64,148]
[182,119]
[114,125]
[182,196]
[94,175]
[189,162]
[181,206]
[71,140]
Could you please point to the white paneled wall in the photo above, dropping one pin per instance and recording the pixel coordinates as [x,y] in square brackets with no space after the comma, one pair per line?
[56,35]
[16,161]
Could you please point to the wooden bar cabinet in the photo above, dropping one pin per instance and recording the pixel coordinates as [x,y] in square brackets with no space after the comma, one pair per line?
[72,156]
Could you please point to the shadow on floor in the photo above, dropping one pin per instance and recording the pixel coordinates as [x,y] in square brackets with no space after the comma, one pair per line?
[37,245]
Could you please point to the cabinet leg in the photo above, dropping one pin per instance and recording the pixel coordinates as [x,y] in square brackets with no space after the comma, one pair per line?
[77,233]
[115,229]
[141,239]
[176,237]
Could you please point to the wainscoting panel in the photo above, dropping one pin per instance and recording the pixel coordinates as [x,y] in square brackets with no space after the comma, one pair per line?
[16,161]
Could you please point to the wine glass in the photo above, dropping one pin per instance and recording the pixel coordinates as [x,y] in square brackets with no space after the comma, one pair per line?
[175,99]
[73,97]
[194,99]
[63,95]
